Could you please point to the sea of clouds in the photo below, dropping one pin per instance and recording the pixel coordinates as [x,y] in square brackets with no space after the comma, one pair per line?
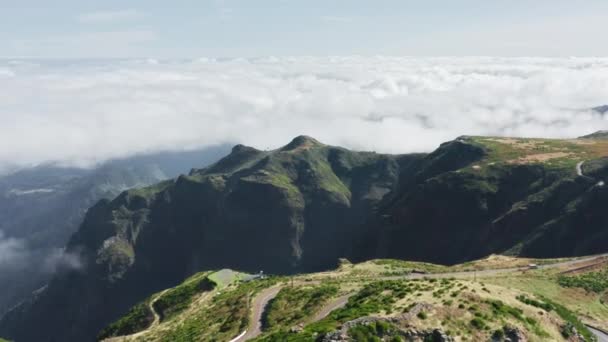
[85,111]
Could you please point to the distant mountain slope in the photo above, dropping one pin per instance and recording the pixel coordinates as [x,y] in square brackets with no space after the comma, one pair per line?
[294,209]
[41,207]
[480,195]
[601,109]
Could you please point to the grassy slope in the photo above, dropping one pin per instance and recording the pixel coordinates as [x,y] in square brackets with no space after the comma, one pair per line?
[294,305]
[553,153]
[586,304]
[462,309]
[531,301]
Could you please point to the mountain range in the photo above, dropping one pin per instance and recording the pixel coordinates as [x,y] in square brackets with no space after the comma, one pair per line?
[304,206]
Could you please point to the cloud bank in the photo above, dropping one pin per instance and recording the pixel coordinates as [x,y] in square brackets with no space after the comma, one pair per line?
[16,255]
[82,112]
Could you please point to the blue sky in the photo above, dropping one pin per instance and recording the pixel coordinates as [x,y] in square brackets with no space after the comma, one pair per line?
[231,28]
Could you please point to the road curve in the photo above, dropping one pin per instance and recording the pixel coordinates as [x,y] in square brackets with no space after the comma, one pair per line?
[601,336]
[257,310]
[579,168]
[328,308]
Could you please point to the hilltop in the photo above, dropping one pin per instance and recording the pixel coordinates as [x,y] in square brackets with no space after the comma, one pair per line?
[302,207]
[480,195]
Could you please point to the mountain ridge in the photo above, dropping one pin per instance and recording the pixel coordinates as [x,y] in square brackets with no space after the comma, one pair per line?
[301,207]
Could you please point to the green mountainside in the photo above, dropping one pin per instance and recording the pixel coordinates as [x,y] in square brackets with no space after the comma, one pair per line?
[42,206]
[302,207]
[298,208]
[480,195]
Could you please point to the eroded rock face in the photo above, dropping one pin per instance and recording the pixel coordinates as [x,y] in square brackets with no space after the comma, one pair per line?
[513,334]
[435,335]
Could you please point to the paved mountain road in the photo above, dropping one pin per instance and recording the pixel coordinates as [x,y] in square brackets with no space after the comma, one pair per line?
[335,304]
[579,168]
[257,307]
[601,336]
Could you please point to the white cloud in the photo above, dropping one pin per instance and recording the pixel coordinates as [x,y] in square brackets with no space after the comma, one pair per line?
[83,112]
[12,252]
[99,17]
[16,255]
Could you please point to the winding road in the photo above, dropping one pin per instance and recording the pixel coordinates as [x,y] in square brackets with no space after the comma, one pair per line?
[257,308]
[335,304]
[579,169]
[579,172]
[263,298]
[601,336]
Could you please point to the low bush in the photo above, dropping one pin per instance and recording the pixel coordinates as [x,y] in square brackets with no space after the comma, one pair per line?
[137,319]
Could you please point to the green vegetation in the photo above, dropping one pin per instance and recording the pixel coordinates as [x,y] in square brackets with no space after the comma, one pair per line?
[546,286]
[593,281]
[400,266]
[372,298]
[372,332]
[224,317]
[179,298]
[150,191]
[501,309]
[137,319]
[542,305]
[293,305]
[572,320]
[567,315]
[479,323]
[553,153]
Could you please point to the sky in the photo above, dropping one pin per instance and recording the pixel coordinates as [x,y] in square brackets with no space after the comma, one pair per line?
[85,81]
[246,28]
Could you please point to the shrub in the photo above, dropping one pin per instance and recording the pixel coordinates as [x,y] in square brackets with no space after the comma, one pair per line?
[535,303]
[592,282]
[137,319]
[478,323]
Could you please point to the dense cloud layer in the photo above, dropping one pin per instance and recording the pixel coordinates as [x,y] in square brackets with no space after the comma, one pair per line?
[87,111]
[12,252]
[16,255]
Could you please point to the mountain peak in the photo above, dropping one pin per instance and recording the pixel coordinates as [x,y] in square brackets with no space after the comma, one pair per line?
[602,134]
[301,142]
[601,109]
[240,148]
